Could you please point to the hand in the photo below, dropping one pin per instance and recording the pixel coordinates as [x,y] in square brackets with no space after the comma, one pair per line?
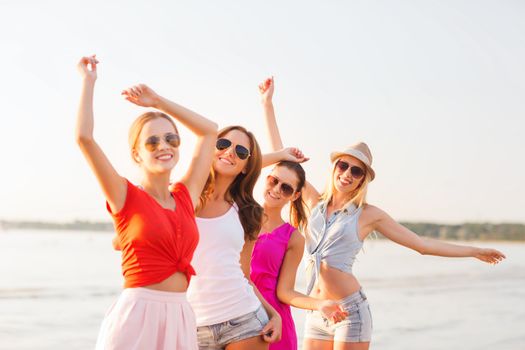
[266,90]
[87,66]
[272,331]
[141,95]
[491,256]
[293,154]
[332,311]
[116,243]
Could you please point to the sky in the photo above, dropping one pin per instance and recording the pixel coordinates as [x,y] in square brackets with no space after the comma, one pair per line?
[435,88]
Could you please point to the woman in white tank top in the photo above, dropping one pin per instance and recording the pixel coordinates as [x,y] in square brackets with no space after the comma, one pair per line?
[228,309]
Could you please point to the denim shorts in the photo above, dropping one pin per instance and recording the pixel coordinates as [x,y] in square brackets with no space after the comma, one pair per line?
[355,328]
[217,336]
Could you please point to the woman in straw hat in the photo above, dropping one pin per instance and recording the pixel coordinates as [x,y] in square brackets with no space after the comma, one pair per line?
[339,222]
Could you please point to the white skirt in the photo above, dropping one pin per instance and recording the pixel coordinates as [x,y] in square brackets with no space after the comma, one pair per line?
[143,318]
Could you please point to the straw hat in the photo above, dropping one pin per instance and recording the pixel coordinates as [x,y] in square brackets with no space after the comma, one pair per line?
[360,151]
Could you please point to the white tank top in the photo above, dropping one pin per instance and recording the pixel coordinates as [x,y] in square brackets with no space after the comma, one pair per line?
[220,292]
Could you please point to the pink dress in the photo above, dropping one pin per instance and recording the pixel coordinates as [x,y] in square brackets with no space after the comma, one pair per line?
[267,258]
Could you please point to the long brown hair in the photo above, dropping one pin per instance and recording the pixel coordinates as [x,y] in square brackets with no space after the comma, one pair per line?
[240,190]
[298,215]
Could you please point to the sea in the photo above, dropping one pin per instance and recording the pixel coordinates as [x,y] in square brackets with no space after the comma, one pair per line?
[55,287]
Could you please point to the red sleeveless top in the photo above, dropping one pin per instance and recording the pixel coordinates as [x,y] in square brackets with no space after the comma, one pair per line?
[155,242]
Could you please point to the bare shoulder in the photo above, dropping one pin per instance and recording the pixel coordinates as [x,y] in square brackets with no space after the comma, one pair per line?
[370,219]
[296,240]
[373,213]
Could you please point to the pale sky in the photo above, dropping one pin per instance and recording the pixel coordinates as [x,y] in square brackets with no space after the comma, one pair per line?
[436,89]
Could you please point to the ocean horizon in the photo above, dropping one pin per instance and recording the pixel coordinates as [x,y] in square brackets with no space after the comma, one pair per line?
[57,286]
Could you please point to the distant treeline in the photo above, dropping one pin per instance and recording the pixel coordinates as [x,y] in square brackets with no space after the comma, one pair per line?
[469,231]
[464,232]
[69,226]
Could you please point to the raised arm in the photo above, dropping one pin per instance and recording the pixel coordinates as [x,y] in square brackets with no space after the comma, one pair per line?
[203,128]
[286,284]
[112,184]
[266,90]
[398,233]
[291,154]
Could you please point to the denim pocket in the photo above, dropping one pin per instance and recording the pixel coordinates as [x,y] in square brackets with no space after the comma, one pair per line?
[262,316]
[242,319]
[351,308]
[371,319]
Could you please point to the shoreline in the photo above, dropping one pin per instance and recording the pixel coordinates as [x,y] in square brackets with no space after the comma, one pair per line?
[76,231]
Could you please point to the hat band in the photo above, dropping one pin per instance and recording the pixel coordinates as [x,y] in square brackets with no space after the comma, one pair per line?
[359,155]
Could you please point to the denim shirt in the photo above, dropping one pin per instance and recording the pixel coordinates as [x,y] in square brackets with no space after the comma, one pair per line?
[334,241]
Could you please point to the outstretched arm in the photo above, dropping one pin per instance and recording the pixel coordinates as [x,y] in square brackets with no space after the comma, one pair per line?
[205,129]
[286,284]
[427,246]
[112,184]
[266,90]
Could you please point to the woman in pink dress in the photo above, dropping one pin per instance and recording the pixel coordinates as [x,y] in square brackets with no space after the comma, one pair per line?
[339,222]
[279,246]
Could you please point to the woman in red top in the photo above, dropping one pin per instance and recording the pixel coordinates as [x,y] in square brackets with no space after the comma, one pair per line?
[156,229]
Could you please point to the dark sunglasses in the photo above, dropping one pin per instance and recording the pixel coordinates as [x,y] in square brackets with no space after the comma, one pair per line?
[356,171]
[153,142]
[241,151]
[286,189]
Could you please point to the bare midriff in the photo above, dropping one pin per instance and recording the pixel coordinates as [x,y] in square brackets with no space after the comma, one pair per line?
[175,283]
[334,284]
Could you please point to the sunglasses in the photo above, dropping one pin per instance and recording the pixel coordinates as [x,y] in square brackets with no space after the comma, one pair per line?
[153,142]
[285,189]
[241,151]
[356,171]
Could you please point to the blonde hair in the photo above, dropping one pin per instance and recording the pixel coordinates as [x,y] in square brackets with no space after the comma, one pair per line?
[358,198]
[138,124]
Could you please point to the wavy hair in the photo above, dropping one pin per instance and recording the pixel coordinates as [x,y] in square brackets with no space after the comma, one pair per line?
[240,190]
